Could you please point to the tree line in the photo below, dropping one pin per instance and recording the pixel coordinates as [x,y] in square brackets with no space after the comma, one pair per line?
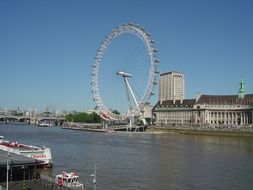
[83,117]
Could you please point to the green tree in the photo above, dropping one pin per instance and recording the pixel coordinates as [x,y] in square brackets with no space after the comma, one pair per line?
[83,117]
[116,112]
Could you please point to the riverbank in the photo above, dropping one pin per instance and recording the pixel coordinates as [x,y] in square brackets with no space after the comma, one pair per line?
[239,132]
[90,129]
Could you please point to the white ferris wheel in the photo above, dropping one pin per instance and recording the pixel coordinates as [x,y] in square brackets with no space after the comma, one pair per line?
[125,74]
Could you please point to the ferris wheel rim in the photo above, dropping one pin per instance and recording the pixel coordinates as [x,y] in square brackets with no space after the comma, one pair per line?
[140,32]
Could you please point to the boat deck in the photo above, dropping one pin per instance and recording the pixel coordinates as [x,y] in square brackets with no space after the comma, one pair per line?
[20,147]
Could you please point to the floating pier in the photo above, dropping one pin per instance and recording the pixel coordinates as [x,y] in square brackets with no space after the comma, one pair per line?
[20,167]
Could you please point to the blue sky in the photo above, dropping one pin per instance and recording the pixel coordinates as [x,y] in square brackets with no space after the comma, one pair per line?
[47,47]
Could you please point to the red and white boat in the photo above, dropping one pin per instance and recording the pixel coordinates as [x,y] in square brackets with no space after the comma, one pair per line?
[69,181]
[38,153]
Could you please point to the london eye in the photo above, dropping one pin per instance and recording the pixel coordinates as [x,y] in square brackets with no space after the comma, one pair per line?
[124,82]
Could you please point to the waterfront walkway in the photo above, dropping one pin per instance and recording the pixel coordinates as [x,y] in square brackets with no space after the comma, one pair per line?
[35,185]
[26,185]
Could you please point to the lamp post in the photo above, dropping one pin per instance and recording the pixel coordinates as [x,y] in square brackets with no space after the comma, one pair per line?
[23,168]
[95,177]
[7,171]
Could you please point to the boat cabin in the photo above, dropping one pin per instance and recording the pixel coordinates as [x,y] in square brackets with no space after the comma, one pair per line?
[69,180]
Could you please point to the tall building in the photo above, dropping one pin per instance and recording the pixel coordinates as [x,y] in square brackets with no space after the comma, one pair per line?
[171,86]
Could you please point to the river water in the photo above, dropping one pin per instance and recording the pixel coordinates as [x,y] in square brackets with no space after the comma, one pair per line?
[145,161]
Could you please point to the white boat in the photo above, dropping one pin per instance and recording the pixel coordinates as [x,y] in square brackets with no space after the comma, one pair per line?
[44,124]
[39,153]
[69,180]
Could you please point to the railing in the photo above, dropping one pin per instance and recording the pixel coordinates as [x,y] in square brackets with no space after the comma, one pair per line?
[2,188]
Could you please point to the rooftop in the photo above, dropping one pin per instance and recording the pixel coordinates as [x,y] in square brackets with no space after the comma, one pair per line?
[225,99]
[167,73]
[184,103]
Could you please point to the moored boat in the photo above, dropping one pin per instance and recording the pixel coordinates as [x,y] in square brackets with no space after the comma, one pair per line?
[39,153]
[69,180]
[45,124]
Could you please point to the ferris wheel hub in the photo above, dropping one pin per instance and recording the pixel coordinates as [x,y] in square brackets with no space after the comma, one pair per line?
[124,74]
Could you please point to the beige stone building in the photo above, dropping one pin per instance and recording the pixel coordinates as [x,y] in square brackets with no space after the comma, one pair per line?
[206,110]
[174,113]
[225,110]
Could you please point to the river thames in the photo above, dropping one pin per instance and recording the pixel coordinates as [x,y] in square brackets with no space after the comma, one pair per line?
[145,161]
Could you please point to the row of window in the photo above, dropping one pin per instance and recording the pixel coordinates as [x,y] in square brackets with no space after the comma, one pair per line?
[227,113]
[174,115]
[171,121]
[225,122]
[225,106]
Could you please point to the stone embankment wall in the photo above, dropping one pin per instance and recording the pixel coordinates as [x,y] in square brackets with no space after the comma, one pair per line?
[242,131]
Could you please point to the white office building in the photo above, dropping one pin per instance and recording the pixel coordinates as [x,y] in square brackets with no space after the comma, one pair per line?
[171,86]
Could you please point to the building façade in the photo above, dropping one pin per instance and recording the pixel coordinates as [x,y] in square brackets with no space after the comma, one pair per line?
[227,110]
